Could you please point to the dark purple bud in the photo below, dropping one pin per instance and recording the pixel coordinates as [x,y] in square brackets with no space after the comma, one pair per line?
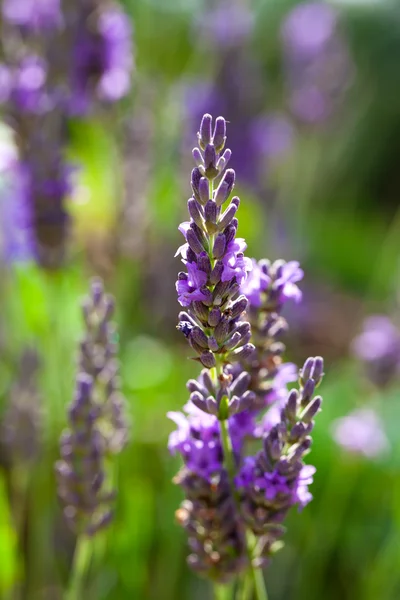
[227,216]
[195,181]
[199,401]
[307,392]
[242,327]
[291,405]
[219,136]
[214,317]
[198,159]
[195,386]
[210,159]
[219,246]
[223,160]
[220,291]
[205,131]
[211,212]
[299,431]
[247,400]
[242,353]
[230,233]
[212,407]
[312,409]
[234,405]
[208,359]
[208,382]
[195,212]
[301,449]
[199,337]
[184,316]
[204,190]
[213,344]
[233,341]
[222,330]
[190,255]
[216,273]
[225,187]
[207,296]
[203,263]
[238,307]
[194,241]
[240,384]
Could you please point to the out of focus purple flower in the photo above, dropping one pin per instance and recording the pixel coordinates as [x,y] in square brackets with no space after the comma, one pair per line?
[379,347]
[361,432]
[102,60]
[278,280]
[33,15]
[272,134]
[227,24]
[317,62]
[28,90]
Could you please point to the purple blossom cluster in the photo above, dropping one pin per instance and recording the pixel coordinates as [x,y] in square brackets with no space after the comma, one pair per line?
[97,421]
[233,322]
[60,61]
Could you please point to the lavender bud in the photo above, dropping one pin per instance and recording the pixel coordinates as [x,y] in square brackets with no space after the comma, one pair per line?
[194,211]
[203,263]
[194,241]
[214,317]
[205,131]
[228,215]
[223,160]
[211,211]
[204,190]
[200,311]
[312,409]
[199,337]
[219,136]
[238,307]
[195,181]
[198,159]
[216,273]
[232,342]
[210,159]
[225,187]
[207,359]
[213,344]
[221,331]
[219,246]
[242,353]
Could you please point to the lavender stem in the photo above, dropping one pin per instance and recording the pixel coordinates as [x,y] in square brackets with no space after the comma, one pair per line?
[80,567]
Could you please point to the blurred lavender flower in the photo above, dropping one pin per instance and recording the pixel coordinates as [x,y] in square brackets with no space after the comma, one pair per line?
[227,24]
[378,346]
[317,62]
[102,59]
[21,424]
[33,15]
[361,432]
[81,57]
[97,424]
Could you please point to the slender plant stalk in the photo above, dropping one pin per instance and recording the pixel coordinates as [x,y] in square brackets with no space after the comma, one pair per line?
[80,566]
[259,584]
[246,587]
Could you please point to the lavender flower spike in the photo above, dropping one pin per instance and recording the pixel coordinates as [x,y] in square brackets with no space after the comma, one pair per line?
[213,321]
[276,479]
[96,423]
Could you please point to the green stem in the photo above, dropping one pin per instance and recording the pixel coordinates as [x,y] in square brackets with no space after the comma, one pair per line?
[227,449]
[80,566]
[246,587]
[259,584]
[223,592]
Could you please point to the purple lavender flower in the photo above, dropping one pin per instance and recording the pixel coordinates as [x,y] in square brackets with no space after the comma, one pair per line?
[33,15]
[318,67]
[102,59]
[216,534]
[276,479]
[28,90]
[268,288]
[378,346]
[215,263]
[97,424]
[227,25]
[361,432]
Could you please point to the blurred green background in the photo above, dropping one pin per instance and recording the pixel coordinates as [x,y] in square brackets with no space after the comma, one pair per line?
[321,190]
